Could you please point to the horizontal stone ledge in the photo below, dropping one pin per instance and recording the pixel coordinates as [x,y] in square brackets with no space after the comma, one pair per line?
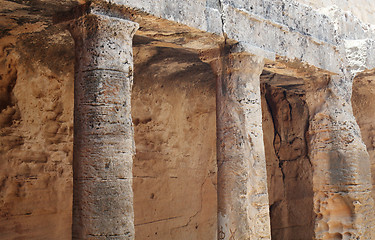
[315,38]
[309,21]
[275,38]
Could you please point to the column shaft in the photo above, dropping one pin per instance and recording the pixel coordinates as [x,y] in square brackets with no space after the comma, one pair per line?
[243,211]
[103,133]
[341,166]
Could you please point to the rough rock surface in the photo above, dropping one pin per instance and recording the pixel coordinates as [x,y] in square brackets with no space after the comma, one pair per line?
[342,176]
[173,108]
[363,9]
[363,101]
[36,116]
[176,149]
[103,130]
[285,123]
[243,210]
[36,136]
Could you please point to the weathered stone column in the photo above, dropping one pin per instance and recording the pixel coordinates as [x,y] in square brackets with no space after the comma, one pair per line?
[243,210]
[103,133]
[341,167]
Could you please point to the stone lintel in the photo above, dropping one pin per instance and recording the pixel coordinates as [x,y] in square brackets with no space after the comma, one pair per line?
[287,29]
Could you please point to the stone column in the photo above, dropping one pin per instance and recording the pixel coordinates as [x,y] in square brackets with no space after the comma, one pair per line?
[103,132]
[243,210]
[343,204]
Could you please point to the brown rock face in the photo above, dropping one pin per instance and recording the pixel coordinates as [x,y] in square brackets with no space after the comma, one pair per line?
[285,122]
[342,176]
[36,136]
[234,151]
[175,132]
[363,101]
[173,109]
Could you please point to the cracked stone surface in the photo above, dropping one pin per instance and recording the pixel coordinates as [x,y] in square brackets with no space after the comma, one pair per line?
[36,115]
[366,14]
[36,136]
[289,171]
[363,100]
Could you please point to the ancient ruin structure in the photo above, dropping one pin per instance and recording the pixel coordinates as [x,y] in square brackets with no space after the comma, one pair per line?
[176,119]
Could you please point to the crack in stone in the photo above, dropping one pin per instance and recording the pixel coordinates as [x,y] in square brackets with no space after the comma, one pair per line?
[160,220]
[223,19]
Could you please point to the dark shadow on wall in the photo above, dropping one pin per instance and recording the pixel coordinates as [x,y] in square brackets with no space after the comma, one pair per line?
[285,123]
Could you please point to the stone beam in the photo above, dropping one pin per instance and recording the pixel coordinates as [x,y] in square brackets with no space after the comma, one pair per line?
[103,132]
[293,30]
[243,209]
[341,165]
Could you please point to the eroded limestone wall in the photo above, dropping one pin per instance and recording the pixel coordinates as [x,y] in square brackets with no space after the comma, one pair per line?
[174,119]
[36,135]
[341,176]
[173,108]
[285,122]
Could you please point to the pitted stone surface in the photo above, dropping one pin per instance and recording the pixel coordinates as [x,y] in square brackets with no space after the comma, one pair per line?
[36,157]
[293,30]
[342,175]
[36,136]
[103,136]
[101,43]
[289,171]
[242,179]
[363,9]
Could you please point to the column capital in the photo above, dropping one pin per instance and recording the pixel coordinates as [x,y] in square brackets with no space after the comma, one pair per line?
[248,49]
[102,40]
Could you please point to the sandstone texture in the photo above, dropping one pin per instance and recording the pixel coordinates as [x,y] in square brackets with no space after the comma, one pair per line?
[362,100]
[342,176]
[211,119]
[36,136]
[173,109]
[285,123]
